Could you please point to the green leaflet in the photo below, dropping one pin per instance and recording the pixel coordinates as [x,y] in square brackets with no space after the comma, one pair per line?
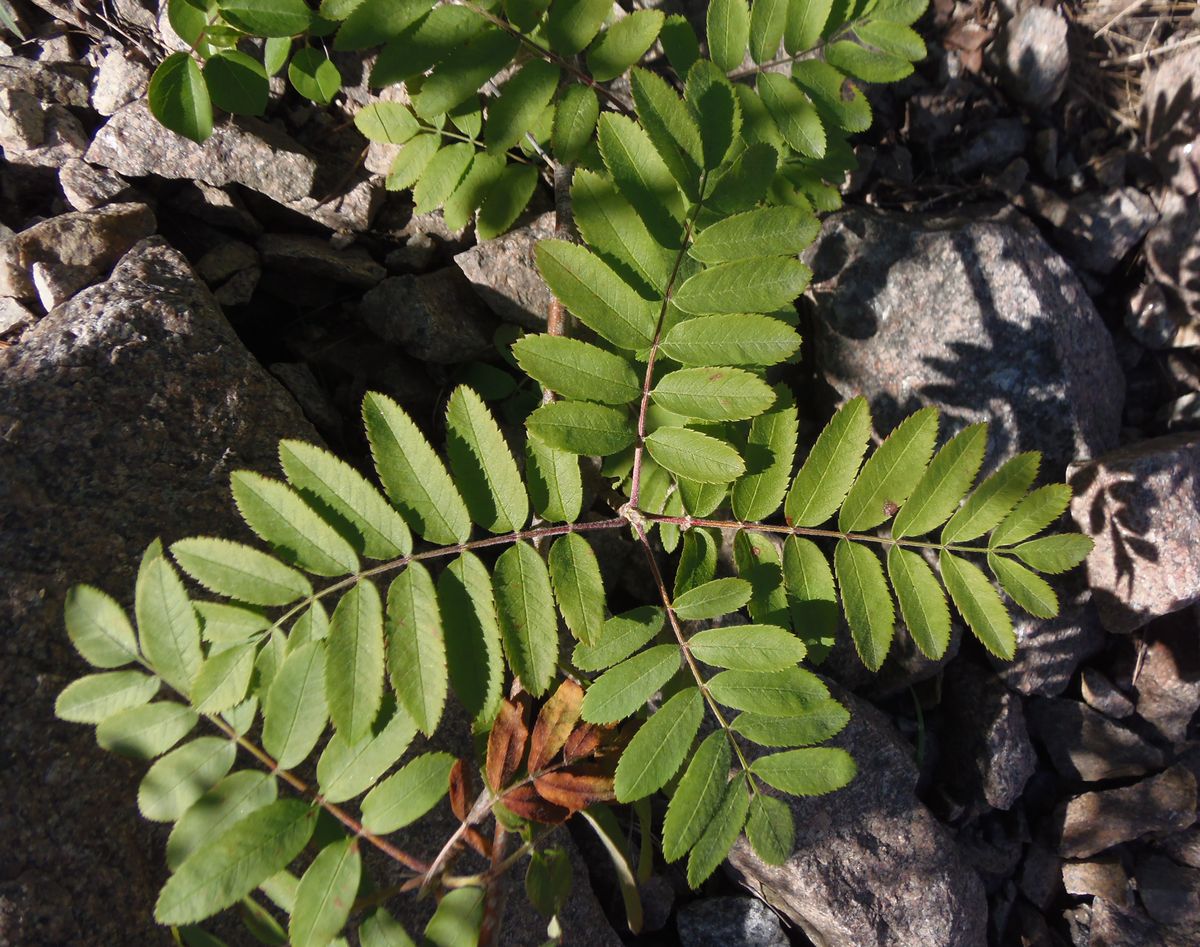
[237,83]
[769,453]
[295,711]
[326,895]
[787,693]
[313,74]
[812,596]
[763,284]
[577,370]
[742,339]
[146,731]
[619,637]
[416,648]
[869,610]
[521,100]
[412,161]
[425,43]
[1033,514]
[713,394]
[745,182]
[528,622]
[1055,554]
[373,22]
[224,679]
[574,121]
[347,498]
[472,634]
[548,880]
[347,769]
[604,302]
[572,24]
[229,867]
[505,200]
[697,562]
[891,473]
[834,97]
[484,469]
[808,772]
[793,113]
[660,747]
[945,482]
[623,44]
[979,604]
[96,697]
[728,28]
[642,175]
[443,174]
[894,38]
[1029,590]
[694,455]
[715,107]
[413,476]
[483,174]
[181,777]
[758,562]
[993,499]
[354,666]
[671,128]
[267,17]
[714,844]
[578,586]
[922,602]
[229,801]
[179,98]
[805,23]
[463,71]
[679,43]
[383,930]
[613,229]
[763,232]
[581,428]
[771,829]
[828,473]
[757,125]
[767,21]
[276,50]
[712,599]
[697,797]
[239,572]
[408,794]
[224,624]
[821,719]
[748,648]
[98,627]
[281,518]
[622,689]
[554,482]
[866,64]
[313,625]
[392,123]
[168,630]
[700,499]
[457,920]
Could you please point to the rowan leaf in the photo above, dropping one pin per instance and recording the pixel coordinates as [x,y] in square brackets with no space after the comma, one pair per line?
[416,647]
[472,634]
[715,105]
[771,829]
[99,628]
[354,666]
[805,22]
[383,930]
[770,449]
[446,170]
[1055,554]
[521,100]
[222,806]
[392,123]
[786,693]
[993,499]
[979,604]
[679,43]
[758,562]
[96,697]
[891,473]
[697,561]
[313,74]
[484,469]
[793,113]
[224,679]
[295,710]
[554,482]
[761,284]
[412,161]
[712,599]
[623,44]
[869,610]
[837,98]
[713,394]
[758,233]
[728,28]
[578,586]
[721,832]
[1025,587]
[179,98]
[146,731]
[694,455]
[613,229]
[374,22]
[528,622]
[671,128]
[767,21]
[505,745]
[895,38]
[660,747]
[239,572]
[944,483]
[554,724]
[821,719]
[579,427]
[177,780]
[621,690]
[869,65]
[812,596]
[812,771]
[237,83]
[1032,515]
[734,339]
[326,895]
[408,794]
[574,122]
[461,73]
[266,17]
[168,630]
[577,370]
[346,769]
[574,790]
[922,602]
[747,647]
[697,797]
[619,637]
[743,183]
[572,24]
[641,174]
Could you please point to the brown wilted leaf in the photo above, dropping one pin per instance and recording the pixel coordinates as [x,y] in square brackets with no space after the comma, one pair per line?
[575,789]
[526,803]
[461,791]
[559,714]
[583,742]
[506,745]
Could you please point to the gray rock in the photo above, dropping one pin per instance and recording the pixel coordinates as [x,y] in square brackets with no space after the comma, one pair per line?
[1103,877]
[14,317]
[1169,892]
[988,755]
[63,138]
[1165,313]
[22,122]
[124,413]
[435,317]
[1041,875]
[506,277]
[1141,506]
[119,80]
[871,866]
[1086,745]
[980,317]
[1101,229]
[75,247]
[315,257]
[1171,119]
[1168,684]
[61,83]
[1113,926]
[298,378]
[1183,847]
[353,210]
[1102,694]
[225,259]
[1034,59]
[729,922]
[1182,414]
[1095,821]
[239,288]
[1050,650]
[243,150]
[87,188]
[220,207]
[997,143]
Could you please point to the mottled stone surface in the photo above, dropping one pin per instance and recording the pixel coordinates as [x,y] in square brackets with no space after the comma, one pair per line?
[1101,228]
[62,138]
[505,275]
[119,80]
[1033,54]
[1169,892]
[1168,685]
[1103,695]
[1100,878]
[1086,745]
[872,866]
[87,187]
[1113,926]
[1050,649]
[434,317]
[1095,821]
[1141,505]
[729,922]
[980,317]
[315,257]
[61,83]
[123,413]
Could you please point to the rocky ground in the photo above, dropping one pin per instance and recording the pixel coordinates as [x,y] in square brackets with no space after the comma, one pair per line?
[1019,245]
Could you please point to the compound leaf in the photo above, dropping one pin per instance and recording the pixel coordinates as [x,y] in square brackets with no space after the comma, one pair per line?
[722,831]
[812,771]
[392,123]
[770,449]
[168,629]
[239,572]
[572,24]
[828,473]
[181,777]
[472,634]
[619,637]
[659,748]
[695,456]
[891,473]
[347,769]
[1033,514]
[1028,589]
[521,100]
[574,121]
[623,44]
[762,232]
[670,126]
[580,427]
[812,596]
[731,339]
[224,679]
[96,697]
[748,648]
[99,628]
[794,115]
[554,481]
[771,829]
[578,586]
[408,794]
[713,394]
[295,711]
[226,803]
[728,27]
[761,284]
[821,719]
[460,74]
[622,689]
[944,483]
[993,499]
[298,534]
[785,693]
[697,797]
[577,369]
[1055,554]
[144,732]
[712,599]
